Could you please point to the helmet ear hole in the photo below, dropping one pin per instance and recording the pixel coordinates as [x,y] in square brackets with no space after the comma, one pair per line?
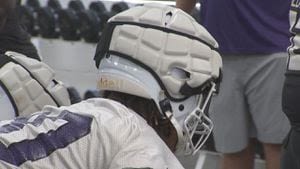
[181,107]
[168,18]
[180,74]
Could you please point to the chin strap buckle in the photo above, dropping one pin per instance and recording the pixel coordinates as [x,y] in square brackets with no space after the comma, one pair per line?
[165,107]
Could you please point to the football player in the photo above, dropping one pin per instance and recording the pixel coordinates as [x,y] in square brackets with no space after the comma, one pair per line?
[161,68]
[291,93]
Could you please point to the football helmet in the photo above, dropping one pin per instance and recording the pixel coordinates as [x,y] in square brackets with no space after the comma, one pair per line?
[26,85]
[161,53]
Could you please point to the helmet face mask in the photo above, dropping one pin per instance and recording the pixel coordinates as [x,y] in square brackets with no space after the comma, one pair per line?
[179,78]
[197,125]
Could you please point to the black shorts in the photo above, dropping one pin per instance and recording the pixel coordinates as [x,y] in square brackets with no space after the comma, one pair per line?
[291,98]
[291,106]
[290,158]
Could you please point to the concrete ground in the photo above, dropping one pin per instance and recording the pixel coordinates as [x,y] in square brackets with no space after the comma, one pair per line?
[209,160]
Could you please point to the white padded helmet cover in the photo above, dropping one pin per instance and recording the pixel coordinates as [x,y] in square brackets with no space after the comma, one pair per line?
[156,48]
[164,52]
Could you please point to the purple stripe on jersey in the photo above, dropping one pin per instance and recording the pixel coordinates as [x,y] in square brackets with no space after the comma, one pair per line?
[20,122]
[13,126]
[44,144]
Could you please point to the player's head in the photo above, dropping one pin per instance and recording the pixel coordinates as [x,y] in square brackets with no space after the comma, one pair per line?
[26,85]
[160,53]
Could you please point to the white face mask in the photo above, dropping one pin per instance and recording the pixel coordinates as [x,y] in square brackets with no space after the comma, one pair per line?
[198,126]
[7,111]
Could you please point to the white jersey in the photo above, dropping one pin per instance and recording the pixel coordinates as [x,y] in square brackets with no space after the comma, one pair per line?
[294,49]
[93,134]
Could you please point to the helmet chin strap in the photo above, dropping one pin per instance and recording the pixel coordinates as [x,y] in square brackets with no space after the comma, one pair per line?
[197,125]
[181,140]
[166,109]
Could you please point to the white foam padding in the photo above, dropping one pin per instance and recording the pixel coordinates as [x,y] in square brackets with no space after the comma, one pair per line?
[28,93]
[164,51]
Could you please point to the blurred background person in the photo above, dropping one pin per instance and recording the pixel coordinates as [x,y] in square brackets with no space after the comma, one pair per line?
[253,36]
[12,35]
[291,95]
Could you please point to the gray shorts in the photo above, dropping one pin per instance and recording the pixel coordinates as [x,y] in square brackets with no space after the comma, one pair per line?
[249,102]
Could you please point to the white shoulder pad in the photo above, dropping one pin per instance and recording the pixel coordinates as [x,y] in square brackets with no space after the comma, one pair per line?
[30,84]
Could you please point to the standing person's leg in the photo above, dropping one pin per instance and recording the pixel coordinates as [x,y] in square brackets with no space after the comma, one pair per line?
[290,158]
[263,91]
[272,155]
[290,104]
[231,118]
[287,157]
[243,159]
